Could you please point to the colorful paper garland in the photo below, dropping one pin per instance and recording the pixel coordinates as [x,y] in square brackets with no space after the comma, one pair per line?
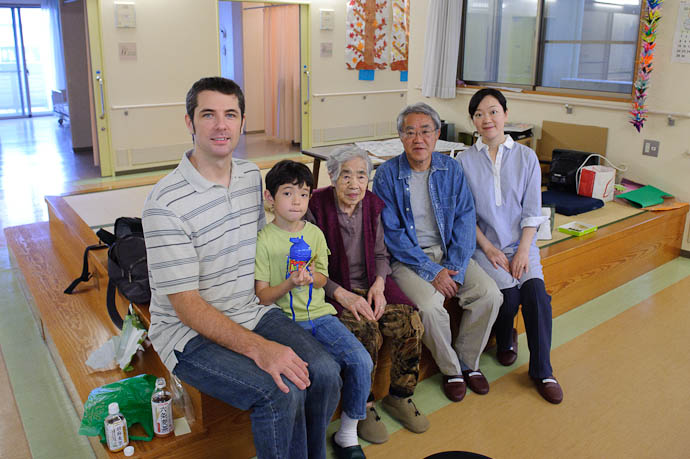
[650,20]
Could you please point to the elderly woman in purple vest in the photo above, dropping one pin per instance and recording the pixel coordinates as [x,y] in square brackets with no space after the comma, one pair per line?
[369,302]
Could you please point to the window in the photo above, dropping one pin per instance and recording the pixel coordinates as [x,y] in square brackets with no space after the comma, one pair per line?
[566,45]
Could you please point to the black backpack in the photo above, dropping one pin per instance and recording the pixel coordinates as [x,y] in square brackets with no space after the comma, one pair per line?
[127,268]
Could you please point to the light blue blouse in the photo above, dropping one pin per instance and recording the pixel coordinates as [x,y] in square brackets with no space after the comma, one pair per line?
[507,198]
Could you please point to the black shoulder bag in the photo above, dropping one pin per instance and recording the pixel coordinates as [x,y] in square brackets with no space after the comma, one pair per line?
[127,268]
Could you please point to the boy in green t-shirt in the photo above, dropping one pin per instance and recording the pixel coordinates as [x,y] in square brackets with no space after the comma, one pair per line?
[291,270]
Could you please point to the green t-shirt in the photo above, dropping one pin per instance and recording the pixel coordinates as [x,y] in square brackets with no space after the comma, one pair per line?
[272,250]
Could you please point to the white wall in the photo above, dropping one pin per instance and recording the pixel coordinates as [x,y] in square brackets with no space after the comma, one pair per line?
[177,43]
[341,118]
[669,91]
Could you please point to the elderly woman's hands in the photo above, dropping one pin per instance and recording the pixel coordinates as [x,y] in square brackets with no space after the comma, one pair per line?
[354,303]
[376,295]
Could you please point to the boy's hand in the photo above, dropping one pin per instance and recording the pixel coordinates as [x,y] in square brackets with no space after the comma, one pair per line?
[301,277]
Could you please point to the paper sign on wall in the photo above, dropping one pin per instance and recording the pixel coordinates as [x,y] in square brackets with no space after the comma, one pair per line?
[681,40]
[127,51]
[326,49]
[327,20]
[125,16]
[366,31]
[401,34]
[377,34]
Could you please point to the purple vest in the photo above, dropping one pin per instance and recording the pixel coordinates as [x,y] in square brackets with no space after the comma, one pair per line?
[323,207]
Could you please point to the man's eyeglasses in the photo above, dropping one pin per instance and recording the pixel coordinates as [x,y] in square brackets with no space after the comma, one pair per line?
[425,133]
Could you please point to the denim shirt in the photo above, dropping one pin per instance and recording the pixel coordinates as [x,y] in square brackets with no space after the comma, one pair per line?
[453,207]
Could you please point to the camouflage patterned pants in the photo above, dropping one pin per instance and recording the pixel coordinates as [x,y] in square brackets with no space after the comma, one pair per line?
[403,325]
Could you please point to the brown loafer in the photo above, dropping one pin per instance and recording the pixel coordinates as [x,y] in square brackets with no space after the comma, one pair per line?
[509,356]
[454,387]
[549,389]
[476,381]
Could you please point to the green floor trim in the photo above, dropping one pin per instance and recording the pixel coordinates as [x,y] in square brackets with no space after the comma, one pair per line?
[428,396]
[48,417]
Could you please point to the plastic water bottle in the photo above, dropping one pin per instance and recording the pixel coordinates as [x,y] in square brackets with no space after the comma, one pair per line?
[182,402]
[299,256]
[116,429]
[162,410]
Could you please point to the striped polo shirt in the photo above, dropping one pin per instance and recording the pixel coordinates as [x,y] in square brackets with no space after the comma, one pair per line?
[202,236]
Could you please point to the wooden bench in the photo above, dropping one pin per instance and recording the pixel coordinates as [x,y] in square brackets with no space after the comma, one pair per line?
[49,254]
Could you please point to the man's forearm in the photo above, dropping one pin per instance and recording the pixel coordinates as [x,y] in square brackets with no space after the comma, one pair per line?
[209,322]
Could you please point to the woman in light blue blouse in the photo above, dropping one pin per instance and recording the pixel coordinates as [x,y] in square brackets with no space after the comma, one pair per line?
[505,180]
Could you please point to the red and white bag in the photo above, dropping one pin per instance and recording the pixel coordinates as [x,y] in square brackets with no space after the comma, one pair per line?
[597,181]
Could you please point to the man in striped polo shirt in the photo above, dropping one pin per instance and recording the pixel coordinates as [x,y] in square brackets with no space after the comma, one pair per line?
[200,224]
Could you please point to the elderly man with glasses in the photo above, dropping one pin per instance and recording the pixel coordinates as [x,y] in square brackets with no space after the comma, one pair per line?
[430,231]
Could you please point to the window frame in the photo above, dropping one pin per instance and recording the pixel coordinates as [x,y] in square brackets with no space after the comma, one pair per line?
[538,65]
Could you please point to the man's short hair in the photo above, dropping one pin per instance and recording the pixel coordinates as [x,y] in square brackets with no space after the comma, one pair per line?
[288,172]
[218,84]
[421,108]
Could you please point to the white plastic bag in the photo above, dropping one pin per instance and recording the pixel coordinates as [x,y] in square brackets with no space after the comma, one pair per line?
[119,349]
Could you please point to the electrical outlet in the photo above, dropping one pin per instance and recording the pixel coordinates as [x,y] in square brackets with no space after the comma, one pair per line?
[650,148]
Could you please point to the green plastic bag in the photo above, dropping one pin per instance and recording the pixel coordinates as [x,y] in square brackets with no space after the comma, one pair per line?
[134,397]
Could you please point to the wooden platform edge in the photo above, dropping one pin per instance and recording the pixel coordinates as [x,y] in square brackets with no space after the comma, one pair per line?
[580,269]
[74,325]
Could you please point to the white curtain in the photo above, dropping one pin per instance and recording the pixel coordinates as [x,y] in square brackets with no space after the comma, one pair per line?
[282,72]
[441,46]
[52,10]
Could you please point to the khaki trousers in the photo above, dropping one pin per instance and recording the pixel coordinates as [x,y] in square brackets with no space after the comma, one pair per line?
[480,299]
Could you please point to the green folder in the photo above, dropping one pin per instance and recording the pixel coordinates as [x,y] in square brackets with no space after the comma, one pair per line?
[645,196]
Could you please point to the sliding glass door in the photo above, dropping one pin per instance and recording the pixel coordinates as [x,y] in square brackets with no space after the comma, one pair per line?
[26,63]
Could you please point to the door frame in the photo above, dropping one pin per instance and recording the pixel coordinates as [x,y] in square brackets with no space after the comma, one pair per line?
[305,64]
[100,127]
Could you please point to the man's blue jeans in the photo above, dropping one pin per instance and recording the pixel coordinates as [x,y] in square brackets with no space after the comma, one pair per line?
[291,425]
[353,358]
